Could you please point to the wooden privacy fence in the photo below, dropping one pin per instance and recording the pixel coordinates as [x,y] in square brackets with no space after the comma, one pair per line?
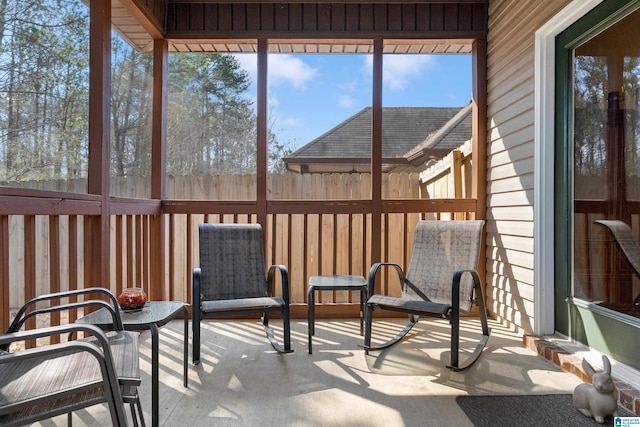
[288,186]
[46,252]
[450,177]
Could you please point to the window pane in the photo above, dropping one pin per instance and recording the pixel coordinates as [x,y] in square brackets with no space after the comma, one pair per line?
[320,121]
[211,127]
[131,118]
[590,125]
[44,86]
[426,115]
[605,165]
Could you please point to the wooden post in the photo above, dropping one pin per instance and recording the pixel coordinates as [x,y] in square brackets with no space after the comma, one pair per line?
[97,228]
[158,239]
[376,155]
[261,152]
[456,177]
[479,144]
[479,127]
[4,272]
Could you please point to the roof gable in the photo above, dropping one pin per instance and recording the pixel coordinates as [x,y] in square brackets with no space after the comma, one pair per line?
[407,132]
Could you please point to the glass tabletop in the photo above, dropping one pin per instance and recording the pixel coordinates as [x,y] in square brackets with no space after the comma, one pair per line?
[153,312]
[333,281]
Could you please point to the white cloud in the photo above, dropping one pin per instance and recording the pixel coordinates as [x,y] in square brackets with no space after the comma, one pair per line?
[349,86]
[397,70]
[291,122]
[347,101]
[289,69]
[249,63]
[282,69]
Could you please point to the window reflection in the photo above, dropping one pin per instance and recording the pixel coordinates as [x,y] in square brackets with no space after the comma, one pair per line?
[606,170]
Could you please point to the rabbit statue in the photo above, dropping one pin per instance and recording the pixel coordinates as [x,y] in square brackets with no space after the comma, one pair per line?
[597,399]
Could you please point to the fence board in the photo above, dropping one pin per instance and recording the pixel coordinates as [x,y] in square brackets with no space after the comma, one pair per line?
[337,241]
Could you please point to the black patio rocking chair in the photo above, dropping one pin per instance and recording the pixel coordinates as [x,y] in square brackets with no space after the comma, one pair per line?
[231,280]
[441,281]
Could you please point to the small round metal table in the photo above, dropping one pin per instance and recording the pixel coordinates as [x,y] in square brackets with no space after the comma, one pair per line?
[334,283]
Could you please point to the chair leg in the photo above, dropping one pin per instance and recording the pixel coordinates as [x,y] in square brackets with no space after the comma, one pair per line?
[367,328]
[286,320]
[286,331]
[363,300]
[413,319]
[134,417]
[195,323]
[140,414]
[455,332]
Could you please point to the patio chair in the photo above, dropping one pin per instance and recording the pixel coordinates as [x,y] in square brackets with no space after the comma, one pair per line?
[231,281]
[630,249]
[441,281]
[624,237]
[61,378]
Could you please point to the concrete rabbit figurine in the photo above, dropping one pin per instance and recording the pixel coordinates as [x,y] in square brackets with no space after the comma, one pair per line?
[597,399]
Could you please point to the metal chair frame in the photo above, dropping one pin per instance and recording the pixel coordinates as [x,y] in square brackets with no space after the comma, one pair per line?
[222,245]
[121,343]
[418,300]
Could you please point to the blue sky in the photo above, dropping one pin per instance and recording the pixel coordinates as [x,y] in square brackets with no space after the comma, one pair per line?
[309,94]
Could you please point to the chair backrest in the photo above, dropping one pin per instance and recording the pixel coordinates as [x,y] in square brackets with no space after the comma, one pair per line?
[624,236]
[232,262]
[439,249]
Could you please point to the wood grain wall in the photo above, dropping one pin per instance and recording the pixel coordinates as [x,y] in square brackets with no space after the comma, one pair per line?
[437,20]
[156,10]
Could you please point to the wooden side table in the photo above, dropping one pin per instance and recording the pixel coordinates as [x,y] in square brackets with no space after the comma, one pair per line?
[334,283]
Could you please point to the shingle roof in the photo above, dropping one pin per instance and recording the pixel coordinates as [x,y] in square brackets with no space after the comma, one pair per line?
[406,132]
[450,136]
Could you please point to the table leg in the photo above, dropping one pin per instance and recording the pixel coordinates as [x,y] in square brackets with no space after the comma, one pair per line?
[363,300]
[185,356]
[311,314]
[155,382]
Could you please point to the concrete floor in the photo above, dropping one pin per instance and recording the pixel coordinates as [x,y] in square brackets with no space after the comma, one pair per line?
[241,381]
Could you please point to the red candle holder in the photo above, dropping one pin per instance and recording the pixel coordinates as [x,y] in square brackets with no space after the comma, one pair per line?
[132,299]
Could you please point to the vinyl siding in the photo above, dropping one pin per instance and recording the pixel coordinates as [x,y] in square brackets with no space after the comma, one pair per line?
[510,150]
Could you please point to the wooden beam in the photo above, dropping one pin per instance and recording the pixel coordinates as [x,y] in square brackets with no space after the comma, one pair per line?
[376,153]
[125,206]
[159,125]
[158,238]
[4,272]
[97,232]
[16,205]
[479,145]
[262,137]
[140,15]
[479,127]
[330,1]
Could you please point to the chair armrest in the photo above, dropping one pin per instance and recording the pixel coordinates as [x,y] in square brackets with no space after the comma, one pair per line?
[373,271]
[101,337]
[21,317]
[63,378]
[284,274]
[455,287]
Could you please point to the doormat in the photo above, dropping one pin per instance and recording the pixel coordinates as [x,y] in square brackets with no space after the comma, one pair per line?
[528,410]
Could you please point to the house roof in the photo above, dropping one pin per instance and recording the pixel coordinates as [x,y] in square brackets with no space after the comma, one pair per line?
[410,137]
